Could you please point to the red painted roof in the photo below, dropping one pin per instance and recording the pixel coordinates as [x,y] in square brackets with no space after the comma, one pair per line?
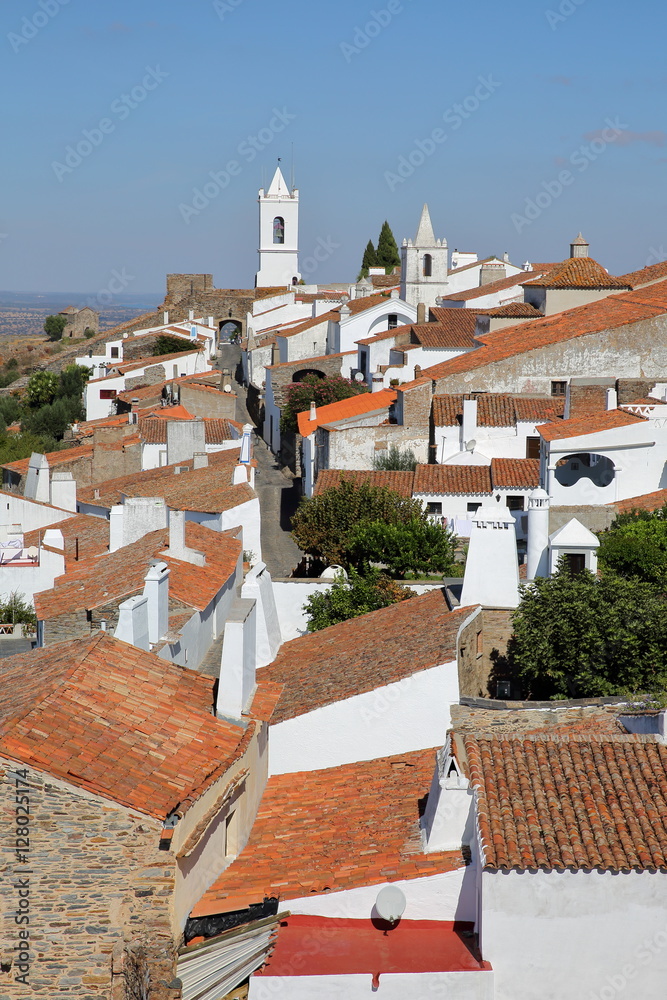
[606,420]
[358,947]
[577,802]
[353,406]
[338,828]
[118,722]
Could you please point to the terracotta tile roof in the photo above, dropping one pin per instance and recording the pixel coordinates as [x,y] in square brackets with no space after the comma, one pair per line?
[357,306]
[578,272]
[511,309]
[606,420]
[115,576]
[456,329]
[495,286]
[365,653]
[401,333]
[496,409]
[579,802]
[308,324]
[605,314]
[309,362]
[128,366]
[84,536]
[117,721]
[455,479]
[385,280]
[154,482]
[475,263]
[399,482]
[339,828]
[217,430]
[353,406]
[55,458]
[649,501]
[515,473]
[646,275]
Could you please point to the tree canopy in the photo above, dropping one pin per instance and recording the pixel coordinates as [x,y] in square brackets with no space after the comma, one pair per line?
[313,389]
[387,252]
[396,459]
[356,524]
[54,326]
[166,344]
[370,259]
[576,636]
[350,598]
[636,546]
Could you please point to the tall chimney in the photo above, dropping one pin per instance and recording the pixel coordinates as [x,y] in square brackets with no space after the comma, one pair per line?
[156,590]
[421,312]
[469,424]
[537,554]
[313,411]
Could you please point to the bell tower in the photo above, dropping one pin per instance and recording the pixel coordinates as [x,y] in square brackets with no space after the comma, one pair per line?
[278,234]
[424,265]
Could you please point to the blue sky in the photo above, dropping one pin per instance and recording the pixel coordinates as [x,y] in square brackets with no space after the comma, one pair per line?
[574,88]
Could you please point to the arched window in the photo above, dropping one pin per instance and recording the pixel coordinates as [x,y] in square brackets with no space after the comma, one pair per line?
[428,265]
[278,229]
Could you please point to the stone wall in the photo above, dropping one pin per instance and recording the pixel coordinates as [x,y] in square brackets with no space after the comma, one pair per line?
[594,517]
[151,376]
[100,894]
[488,632]
[80,624]
[205,403]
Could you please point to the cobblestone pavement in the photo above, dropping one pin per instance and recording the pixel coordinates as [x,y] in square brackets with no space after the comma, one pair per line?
[278,496]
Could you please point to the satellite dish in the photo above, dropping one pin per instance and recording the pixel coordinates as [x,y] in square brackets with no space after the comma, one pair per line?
[228,388]
[359,377]
[471,445]
[390,904]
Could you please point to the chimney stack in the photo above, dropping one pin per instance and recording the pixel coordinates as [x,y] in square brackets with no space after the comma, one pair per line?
[469,422]
[579,247]
[133,622]
[492,544]
[178,548]
[421,312]
[156,592]
[313,411]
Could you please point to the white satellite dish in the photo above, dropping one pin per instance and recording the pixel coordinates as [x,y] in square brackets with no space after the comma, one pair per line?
[390,904]
[359,377]
[471,445]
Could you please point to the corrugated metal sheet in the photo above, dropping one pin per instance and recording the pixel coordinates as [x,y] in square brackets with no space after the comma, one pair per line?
[211,969]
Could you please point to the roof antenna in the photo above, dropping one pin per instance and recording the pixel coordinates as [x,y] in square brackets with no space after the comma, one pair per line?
[292,178]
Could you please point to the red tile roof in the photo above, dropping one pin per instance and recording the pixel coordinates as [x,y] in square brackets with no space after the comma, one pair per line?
[353,406]
[578,272]
[364,653]
[515,473]
[118,722]
[399,482]
[128,366]
[339,828]
[646,275]
[571,802]
[455,329]
[217,430]
[114,576]
[55,458]
[496,409]
[494,286]
[606,420]
[455,479]
[510,309]
[605,314]
[648,501]
[84,536]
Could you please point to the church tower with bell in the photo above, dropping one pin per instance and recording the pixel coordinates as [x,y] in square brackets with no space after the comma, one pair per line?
[278,234]
[424,265]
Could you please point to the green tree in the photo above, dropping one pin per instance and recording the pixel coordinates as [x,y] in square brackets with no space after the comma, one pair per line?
[636,546]
[416,546]
[396,460]
[370,259]
[166,344]
[313,389]
[54,326]
[579,637]
[16,610]
[73,380]
[351,598]
[88,333]
[326,525]
[387,251]
[16,446]
[42,388]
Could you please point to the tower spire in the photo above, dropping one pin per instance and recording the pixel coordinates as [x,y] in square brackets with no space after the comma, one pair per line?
[425,236]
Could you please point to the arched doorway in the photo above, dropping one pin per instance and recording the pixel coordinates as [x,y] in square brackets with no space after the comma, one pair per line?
[303,372]
[230,331]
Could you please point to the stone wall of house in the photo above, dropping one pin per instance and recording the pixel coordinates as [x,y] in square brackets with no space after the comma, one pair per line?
[79,625]
[151,376]
[630,389]
[594,517]
[588,398]
[79,322]
[204,403]
[99,895]
[110,461]
[487,633]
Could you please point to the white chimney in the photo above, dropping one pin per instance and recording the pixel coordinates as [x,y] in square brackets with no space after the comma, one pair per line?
[156,590]
[313,411]
[200,460]
[178,548]
[210,322]
[612,399]
[448,820]
[469,424]
[377,381]
[238,660]
[537,561]
[165,316]
[133,622]
[492,568]
[63,491]
[37,485]
[116,515]
[191,314]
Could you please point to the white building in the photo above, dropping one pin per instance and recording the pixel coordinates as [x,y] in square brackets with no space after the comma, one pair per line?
[278,235]
[424,265]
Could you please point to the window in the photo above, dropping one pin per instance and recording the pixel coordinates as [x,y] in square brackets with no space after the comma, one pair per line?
[558,388]
[278,229]
[480,643]
[575,562]
[532,447]
[472,508]
[503,690]
[392,319]
[232,835]
[515,503]
[363,362]
[427,267]
[107,393]
[434,508]
[114,352]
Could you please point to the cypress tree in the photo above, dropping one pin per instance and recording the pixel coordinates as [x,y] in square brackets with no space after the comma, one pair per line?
[370,259]
[387,251]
